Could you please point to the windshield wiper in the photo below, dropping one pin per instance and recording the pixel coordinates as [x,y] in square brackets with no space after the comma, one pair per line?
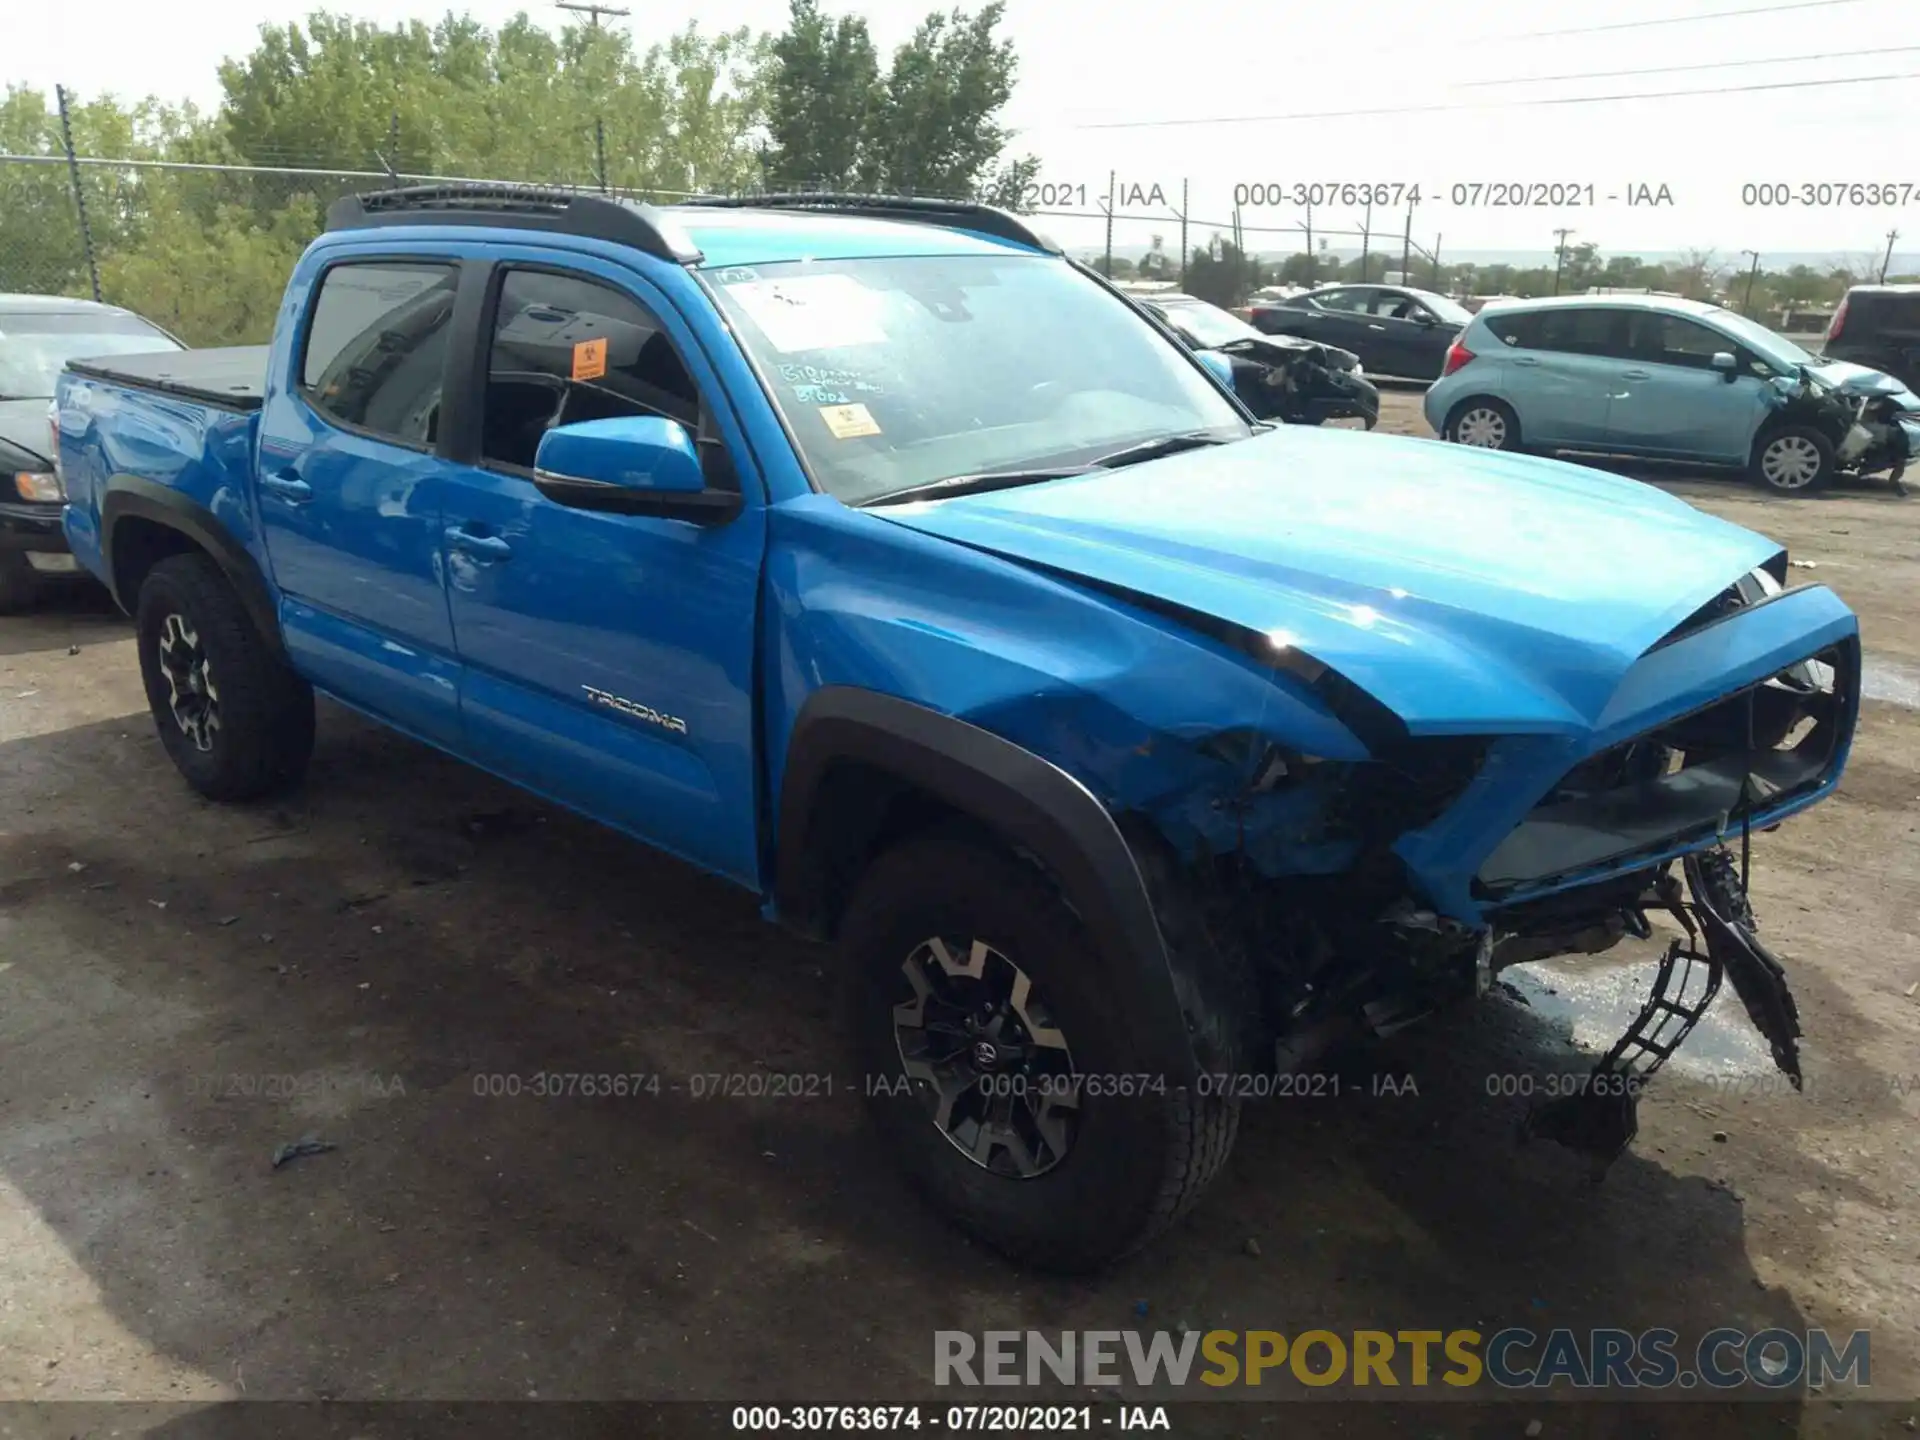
[972,484]
[1155,449]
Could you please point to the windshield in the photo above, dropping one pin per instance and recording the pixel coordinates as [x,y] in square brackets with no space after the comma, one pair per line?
[1449,311]
[1210,325]
[1776,350]
[895,373]
[36,345]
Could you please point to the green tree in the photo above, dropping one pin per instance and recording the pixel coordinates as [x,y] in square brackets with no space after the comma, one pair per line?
[928,126]
[822,102]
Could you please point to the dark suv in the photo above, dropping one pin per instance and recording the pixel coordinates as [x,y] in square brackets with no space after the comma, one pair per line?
[1879,326]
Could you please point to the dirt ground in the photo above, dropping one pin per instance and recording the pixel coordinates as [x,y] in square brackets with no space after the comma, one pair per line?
[405,927]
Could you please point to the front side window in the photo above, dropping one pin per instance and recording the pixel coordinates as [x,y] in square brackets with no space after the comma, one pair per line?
[36,345]
[566,349]
[1672,340]
[895,373]
[376,352]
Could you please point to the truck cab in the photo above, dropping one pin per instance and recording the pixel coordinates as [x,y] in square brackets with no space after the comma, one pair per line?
[876,556]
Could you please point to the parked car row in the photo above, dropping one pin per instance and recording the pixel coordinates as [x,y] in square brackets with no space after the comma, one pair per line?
[38,335]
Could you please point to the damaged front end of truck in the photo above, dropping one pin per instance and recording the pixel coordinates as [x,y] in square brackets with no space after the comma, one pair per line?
[1404,789]
[1368,894]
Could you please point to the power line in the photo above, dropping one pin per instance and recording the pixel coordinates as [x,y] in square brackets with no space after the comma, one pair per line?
[1479,104]
[1675,69]
[1677,19]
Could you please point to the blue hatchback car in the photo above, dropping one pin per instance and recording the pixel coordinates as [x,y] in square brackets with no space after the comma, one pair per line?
[1669,379]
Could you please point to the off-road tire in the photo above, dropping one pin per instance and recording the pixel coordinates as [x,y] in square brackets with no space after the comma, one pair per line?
[1812,441]
[19,585]
[265,732]
[1464,414]
[1140,1161]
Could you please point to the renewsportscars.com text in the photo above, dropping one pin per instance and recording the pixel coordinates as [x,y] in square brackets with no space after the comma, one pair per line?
[1514,1358]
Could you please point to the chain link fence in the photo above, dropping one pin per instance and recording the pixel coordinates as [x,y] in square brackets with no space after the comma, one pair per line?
[201,249]
[205,249]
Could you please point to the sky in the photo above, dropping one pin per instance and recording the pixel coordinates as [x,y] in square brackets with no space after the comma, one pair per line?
[1464,80]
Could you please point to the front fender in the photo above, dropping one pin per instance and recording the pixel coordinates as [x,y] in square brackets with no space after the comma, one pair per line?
[1032,804]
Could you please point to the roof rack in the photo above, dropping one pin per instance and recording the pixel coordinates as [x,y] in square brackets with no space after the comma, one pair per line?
[954,214]
[533,207]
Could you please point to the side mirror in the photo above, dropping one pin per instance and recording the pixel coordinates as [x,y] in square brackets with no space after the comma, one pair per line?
[1219,364]
[1425,318]
[632,465]
[1726,364]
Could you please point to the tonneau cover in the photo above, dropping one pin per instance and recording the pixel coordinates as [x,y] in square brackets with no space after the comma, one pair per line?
[233,377]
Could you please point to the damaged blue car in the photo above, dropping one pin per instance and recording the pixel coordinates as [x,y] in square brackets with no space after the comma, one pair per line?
[876,556]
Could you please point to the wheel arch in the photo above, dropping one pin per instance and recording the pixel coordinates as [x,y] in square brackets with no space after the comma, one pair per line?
[143,522]
[862,768]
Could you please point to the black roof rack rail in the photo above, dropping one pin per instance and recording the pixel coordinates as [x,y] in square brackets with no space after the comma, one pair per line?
[954,214]
[528,207]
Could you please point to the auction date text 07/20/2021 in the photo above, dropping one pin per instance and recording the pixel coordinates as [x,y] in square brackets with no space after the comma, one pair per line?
[1567,193]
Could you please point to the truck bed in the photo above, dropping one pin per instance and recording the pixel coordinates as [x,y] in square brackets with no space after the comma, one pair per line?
[233,378]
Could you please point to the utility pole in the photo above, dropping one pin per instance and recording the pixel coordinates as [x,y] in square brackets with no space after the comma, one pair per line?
[1746,302]
[80,199]
[1886,264]
[1559,256]
[1183,234]
[1112,177]
[1310,265]
[1436,261]
[595,11]
[1366,241]
[1406,247]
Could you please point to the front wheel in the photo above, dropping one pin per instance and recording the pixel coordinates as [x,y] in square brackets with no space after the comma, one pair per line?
[1484,424]
[1793,460]
[999,1066]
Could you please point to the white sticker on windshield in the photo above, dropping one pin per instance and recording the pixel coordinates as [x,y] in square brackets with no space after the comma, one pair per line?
[812,312]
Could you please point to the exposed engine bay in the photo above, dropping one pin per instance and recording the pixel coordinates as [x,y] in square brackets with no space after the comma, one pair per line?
[1353,952]
[1301,382]
[1869,418]
[1277,377]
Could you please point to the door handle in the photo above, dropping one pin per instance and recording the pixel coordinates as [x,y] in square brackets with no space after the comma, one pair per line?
[1376,327]
[1526,359]
[287,486]
[1634,375]
[481,547]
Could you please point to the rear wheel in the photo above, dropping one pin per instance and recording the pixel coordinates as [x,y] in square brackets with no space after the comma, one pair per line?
[19,586]
[234,718]
[1793,460]
[1484,423]
[999,1064]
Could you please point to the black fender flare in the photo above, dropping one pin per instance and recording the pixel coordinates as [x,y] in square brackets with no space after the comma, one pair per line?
[133,497]
[1027,800]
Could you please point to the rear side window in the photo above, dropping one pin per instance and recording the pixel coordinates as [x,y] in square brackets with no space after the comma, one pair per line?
[376,354]
[1351,300]
[567,349]
[1521,330]
[1580,332]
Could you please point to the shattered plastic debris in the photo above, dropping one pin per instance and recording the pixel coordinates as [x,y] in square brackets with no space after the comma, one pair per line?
[305,1145]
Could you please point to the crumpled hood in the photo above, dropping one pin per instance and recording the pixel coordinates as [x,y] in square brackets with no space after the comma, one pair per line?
[1467,590]
[23,426]
[1851,379]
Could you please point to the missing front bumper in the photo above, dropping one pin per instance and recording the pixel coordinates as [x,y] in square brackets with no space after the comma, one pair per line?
[1601,1118]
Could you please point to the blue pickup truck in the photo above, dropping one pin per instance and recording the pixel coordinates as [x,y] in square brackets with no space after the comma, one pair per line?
[876,555]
